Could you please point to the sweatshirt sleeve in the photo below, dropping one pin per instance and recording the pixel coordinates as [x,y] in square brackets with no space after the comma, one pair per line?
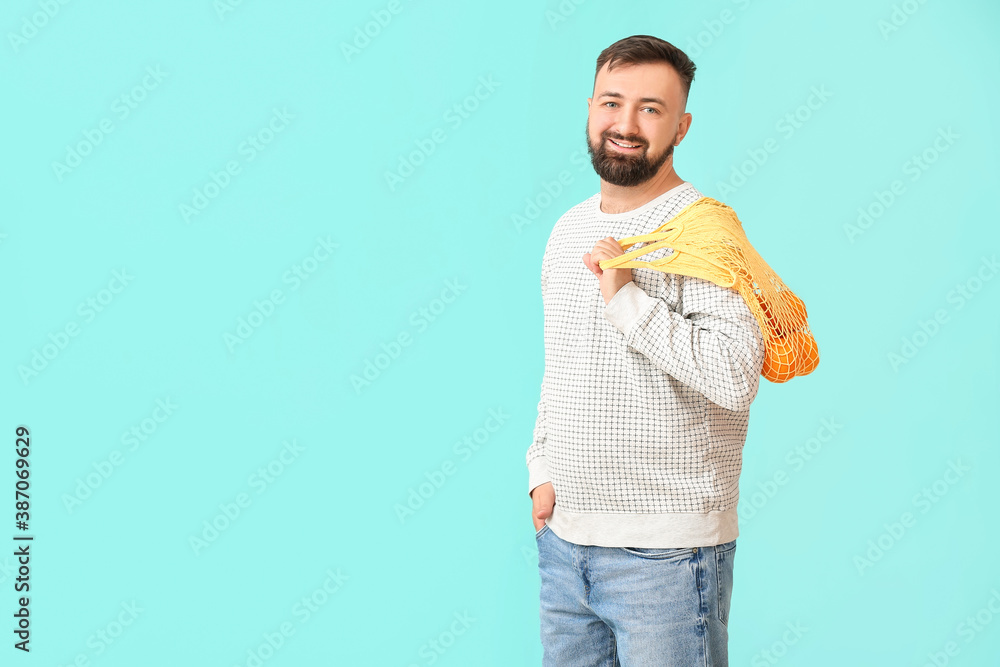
[538,472]
[714,345]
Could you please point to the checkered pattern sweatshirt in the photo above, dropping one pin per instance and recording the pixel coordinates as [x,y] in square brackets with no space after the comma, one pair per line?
[645,401]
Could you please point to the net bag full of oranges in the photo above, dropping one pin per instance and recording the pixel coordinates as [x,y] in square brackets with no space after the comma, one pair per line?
[706,240]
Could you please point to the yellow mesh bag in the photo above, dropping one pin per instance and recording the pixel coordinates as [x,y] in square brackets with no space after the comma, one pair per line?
[706,240]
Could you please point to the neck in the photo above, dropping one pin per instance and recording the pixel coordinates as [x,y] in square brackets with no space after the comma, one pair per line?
[620,199]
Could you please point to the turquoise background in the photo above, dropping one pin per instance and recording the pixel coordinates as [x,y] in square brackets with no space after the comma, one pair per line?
[330,512]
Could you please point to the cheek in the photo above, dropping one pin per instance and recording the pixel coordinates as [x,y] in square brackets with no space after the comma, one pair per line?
[658,139]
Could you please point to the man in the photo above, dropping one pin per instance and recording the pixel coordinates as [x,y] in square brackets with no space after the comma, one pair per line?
[649,376]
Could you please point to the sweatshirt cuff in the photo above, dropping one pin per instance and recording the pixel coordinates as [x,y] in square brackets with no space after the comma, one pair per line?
[627,306]
[538,473]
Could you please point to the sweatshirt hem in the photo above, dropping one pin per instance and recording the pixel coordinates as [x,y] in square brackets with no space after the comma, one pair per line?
[668,530]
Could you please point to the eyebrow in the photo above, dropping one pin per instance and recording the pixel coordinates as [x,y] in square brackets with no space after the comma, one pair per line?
[610,93]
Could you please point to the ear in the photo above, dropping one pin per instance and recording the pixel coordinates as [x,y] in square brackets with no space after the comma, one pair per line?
[683,127]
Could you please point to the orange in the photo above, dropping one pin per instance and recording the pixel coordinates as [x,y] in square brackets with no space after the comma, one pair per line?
[768,315]
[794,310]
[779,360]
[747,291]
[800,307]
[806,351]
[797,308]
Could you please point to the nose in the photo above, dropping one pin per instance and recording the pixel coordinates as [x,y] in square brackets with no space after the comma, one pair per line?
[626,123]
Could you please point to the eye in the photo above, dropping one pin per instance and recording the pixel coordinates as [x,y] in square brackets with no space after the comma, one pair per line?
[609,103]
[651,109]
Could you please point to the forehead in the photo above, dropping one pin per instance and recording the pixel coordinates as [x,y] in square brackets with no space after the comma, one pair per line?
[642,80]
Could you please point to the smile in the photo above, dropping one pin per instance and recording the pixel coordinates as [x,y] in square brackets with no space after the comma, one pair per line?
[625,146]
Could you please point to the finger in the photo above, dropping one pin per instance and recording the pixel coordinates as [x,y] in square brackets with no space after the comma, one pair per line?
[611,248]
[592,265]
[599,257]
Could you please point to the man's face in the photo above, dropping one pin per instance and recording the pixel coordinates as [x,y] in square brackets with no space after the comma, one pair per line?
[640,108]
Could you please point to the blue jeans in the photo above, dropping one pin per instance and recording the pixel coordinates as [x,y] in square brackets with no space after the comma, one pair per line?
[634,607]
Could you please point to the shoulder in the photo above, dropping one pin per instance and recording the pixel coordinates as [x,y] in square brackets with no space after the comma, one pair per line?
[671,204]
[686,196]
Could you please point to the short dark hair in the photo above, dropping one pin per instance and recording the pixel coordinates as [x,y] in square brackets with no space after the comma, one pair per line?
[640,49]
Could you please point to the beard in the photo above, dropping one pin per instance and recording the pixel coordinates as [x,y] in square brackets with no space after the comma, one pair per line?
[624,169]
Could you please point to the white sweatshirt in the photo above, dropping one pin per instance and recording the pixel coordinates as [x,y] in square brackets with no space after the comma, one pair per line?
[644,402]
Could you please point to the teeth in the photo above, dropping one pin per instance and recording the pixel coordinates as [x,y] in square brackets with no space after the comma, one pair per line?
[623,145]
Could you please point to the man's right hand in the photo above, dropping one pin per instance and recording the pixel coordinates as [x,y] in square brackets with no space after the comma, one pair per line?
[543,497]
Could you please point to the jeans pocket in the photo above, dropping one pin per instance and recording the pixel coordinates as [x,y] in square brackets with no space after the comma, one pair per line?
[658,553]
[724,555]
[541,531]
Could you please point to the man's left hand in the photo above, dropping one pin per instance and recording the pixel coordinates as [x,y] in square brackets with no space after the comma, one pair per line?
[611,280]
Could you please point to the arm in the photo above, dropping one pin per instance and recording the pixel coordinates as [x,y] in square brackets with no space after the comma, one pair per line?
[714,346]
[538,472]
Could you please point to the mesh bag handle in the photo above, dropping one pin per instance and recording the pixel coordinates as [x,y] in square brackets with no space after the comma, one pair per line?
[696,263]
